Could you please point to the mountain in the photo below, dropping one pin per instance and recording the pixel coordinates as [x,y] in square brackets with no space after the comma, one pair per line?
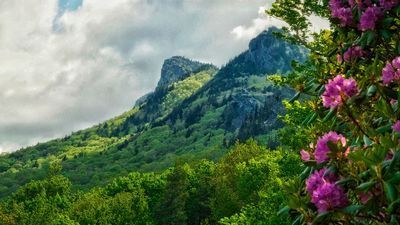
[196,111]
[176,69]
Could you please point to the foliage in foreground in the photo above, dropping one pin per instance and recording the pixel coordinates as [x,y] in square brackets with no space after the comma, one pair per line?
[352,83]
[245,187]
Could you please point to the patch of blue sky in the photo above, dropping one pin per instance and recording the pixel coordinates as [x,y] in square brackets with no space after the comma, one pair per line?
[63,6]
[68,5]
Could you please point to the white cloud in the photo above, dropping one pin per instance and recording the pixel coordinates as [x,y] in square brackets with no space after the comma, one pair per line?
[262,22]
[107,54]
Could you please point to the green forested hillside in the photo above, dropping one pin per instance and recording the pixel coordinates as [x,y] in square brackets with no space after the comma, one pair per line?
[196,112]
[244,187]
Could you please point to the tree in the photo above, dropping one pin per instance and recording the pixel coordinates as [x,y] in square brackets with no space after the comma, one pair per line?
[226,199]
[172,210]
[198,206]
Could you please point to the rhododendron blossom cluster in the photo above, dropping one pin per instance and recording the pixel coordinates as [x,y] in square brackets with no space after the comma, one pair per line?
[353,53]
[322,150]
[329,196]
[396,126]
[337,90]
[388,4]
[341,12]
[325,194]
[391,72]
[370,17]
[318,178]
[371,13]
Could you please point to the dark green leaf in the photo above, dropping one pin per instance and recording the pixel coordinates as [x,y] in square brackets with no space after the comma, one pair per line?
[321,217]
[312,119]
[370,37]
[298,220]
[371,90]
[367,141]
[305,173]
[393,206]
[395,178]
[390,191]
[395,161]
[365,186]
[384,129]
[295,97]
[284,211]
[352,209]
[329,115]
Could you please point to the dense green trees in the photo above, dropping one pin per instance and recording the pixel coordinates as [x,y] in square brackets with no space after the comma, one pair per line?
[38,202]
[243,187]
[96,207]
[172,210]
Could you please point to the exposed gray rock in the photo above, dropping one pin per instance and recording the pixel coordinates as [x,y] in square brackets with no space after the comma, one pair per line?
[267,51]
[142,99]
[177,68]
[242,105]
[245,104]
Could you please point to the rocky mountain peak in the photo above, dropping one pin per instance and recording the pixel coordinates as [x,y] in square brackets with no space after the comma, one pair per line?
[177,68]
[268,51]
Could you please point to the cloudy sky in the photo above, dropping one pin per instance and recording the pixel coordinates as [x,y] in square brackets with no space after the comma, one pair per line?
[70,64]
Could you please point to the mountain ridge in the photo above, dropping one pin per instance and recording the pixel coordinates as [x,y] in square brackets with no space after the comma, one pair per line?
[199,115]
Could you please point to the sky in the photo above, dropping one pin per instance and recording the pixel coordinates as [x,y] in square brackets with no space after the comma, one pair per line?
[70,64]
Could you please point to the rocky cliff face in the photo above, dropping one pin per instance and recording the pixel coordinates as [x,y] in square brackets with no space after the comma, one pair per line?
[249,109]
[267,51]
[177,68]
[142,99]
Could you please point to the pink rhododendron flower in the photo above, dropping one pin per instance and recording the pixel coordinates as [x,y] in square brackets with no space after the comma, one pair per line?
[396,63]
[325,194]
[339,58]
[353,53]
[338,88]
[318,178]
[347,152]
[335,4]
[388,74]
[389,156]
[362,4]
[352,3]
[305,156]
[322,150]
[396,126]
[345,16]
[391,71]
[364,197]
[370,17]
[328,197]
[339,11]
[388,4]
